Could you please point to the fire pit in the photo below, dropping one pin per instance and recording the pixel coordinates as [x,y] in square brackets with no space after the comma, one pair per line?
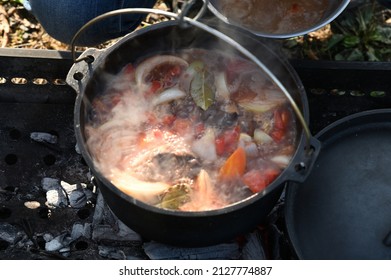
[49,205]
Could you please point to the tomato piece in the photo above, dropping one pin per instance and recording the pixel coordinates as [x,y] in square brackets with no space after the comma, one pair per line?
[227,141]
[235,165]
[168,120]
[243,94]
[151,119]
[281,120]
[258,180]
[181,126]
[176,70]
[155,86]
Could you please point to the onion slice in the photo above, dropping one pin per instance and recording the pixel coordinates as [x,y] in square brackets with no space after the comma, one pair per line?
[222,91]
[168,95]
[142,190]
[145,67]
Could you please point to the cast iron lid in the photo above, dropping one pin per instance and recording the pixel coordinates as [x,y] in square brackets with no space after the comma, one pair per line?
[343,209]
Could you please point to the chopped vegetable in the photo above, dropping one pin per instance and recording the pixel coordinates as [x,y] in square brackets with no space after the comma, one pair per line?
[281,120]
[227,141]
[235,165]
[257,106]
[204,147]
[261,137]
[281,160]
[142,190]
[149,65]
[168,95]
[222,91]
[258,180]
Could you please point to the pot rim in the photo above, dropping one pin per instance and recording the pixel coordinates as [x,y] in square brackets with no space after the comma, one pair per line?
[323,22]
[277,183]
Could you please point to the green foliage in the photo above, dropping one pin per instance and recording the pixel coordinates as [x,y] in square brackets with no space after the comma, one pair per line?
[12,2]
[360,34]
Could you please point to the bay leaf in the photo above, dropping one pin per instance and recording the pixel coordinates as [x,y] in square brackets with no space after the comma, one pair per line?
[201,91]
[175,197]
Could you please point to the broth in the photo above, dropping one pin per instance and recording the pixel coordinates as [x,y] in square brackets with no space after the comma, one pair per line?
[278,17]
[191,131]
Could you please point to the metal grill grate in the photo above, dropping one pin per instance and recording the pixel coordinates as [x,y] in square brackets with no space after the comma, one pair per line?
[35,98]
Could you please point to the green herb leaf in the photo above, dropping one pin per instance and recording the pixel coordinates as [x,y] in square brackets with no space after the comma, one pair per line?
[175,197]
[200,90]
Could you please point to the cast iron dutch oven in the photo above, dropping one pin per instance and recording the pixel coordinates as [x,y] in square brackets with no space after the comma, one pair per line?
[343,209]
[88,78]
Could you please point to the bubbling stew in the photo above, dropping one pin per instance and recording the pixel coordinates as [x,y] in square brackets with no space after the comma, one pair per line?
[276,17]
[194,130]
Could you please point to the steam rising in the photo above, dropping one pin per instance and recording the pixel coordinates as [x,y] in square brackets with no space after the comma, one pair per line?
[151,139]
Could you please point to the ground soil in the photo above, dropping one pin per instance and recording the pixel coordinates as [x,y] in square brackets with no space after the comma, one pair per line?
[19,29]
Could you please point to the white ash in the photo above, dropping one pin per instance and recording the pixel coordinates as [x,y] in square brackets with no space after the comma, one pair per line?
[66,252]
[60,241]
[53,245]
[56,198]
[111,253]
[159,251]
[47,237]
[80,230]
[24,242]
[105,225]
[48,183]
[44,137]
[9,233]
[78,194]
[62,194]
[253,249]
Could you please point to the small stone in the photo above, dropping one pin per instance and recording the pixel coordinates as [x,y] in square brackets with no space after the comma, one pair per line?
[50,184]
[56,198]
[43,137]
[53,245]
[111,253]
[9,233]
[79,230]
[32,204]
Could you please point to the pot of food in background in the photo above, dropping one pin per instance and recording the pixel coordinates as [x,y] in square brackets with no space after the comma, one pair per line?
[278,19]
[189,139]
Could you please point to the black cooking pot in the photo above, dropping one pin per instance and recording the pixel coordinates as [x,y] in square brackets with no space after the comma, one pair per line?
[89,78]
[343,209]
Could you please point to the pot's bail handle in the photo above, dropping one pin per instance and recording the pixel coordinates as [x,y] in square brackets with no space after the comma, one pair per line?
[312,145]
[181,17]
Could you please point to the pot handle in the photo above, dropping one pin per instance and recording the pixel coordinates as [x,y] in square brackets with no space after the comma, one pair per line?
[304,161]
[182,19]
[79,72]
